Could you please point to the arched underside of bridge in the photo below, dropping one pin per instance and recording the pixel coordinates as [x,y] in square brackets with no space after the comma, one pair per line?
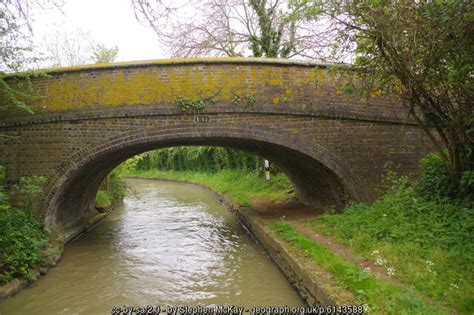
[319,179]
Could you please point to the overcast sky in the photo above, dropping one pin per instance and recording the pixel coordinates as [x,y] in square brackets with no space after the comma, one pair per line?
[110,22]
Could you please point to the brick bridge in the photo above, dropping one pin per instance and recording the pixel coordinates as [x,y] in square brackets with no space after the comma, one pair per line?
[89,119]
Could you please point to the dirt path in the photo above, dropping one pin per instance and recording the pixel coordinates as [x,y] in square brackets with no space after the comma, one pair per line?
[299,215]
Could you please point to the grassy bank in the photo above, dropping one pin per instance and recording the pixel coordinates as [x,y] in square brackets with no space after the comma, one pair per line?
[238,185]
[379,296]
[427,244]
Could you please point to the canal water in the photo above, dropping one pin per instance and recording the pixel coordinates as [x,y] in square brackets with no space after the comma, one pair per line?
[170,244]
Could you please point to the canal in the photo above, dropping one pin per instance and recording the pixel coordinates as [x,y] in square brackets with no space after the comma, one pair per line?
[169,244]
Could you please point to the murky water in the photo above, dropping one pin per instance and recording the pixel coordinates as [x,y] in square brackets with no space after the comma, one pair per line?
[170,244]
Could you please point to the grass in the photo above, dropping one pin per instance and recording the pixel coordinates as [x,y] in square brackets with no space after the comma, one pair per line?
[238,185]
[428,243]
[381,298]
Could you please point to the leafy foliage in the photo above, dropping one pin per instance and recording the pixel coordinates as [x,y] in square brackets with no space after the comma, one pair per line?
[111,191]
[250,100]
[435,181]
[3,192]
[21,235]
[185,104]
[21,241]
[102,54]
[198,158]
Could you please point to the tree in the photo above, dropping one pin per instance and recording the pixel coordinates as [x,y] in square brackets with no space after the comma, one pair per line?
[423,52]
[65,48]
[15,44]
[72,48]
[262,28]
[103,54]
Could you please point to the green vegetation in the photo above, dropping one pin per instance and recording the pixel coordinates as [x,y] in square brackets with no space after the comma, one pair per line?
[21,241]
[382,298]
[21,235]
[185,104]
[436,182]
[103,54]
[198,158]
[421,236]
[232,172]
[111,191]
[249,100]
[238,185]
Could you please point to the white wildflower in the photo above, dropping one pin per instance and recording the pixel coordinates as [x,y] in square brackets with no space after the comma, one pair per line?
[380,261]
[391,271]
[367,269]
[454,286]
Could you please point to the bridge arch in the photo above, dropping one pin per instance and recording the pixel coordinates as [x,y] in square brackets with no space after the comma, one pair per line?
[319,177]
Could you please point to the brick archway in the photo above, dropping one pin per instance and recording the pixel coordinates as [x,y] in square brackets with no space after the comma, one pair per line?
[317,175]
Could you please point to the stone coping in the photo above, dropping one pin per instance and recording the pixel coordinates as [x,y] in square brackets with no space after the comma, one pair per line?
[186,61]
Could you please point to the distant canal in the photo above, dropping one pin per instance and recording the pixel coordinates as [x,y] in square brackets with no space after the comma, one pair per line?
[170,244]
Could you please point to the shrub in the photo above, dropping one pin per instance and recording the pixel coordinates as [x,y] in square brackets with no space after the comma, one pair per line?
[435,182]
[111,191]
[21,239]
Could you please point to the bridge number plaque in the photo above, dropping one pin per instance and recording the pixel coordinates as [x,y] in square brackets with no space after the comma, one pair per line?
[201,119]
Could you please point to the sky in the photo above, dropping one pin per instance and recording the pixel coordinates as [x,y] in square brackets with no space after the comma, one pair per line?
[109,22]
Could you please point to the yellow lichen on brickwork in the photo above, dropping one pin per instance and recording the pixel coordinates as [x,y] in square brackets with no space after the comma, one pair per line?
[157,83]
